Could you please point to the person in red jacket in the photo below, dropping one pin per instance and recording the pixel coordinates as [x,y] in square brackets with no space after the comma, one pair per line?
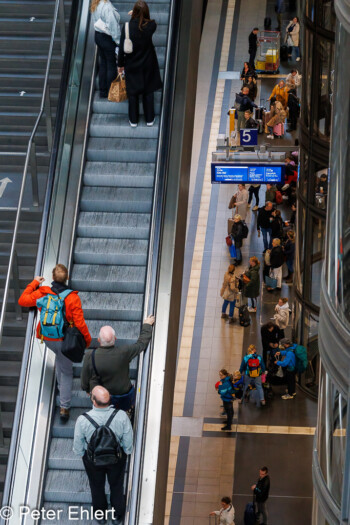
[74,314]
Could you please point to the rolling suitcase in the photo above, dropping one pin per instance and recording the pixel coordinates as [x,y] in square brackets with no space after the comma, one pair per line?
[260,125]
[278,130]
[244,317]
[249,514]
[284,53]
[258,113]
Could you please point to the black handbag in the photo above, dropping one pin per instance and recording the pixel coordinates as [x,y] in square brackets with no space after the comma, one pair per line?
[73,345]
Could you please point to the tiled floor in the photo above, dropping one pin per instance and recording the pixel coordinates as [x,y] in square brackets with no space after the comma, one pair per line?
[205,463]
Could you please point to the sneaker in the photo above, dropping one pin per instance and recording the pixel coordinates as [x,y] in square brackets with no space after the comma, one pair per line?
[251,310]
[255,208]
[298,59]
[64,414]
[224,316]
[270,137]
[263,402]
[231,320]
[287,396]
[226,427]
[150,123]
[248,205]
[132,124]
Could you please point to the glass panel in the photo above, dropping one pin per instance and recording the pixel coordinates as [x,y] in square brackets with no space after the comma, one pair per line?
[308,80]
[318,237]
[299,248]
[304,172]
[321,189]
[323,120]
[328,15]
[310,9]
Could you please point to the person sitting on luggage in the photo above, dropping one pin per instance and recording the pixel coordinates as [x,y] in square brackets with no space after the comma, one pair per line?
[280,92]
[109,365]
[251,281]
[250,83]
[226,513]
[225,391]
[252,366]
[89,446]
[237,234]
[294,110]
[288,364]
[270,337]
[249,123]
[278,116]
[33,295]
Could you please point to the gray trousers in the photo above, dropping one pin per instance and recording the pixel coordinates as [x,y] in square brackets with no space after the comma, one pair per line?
[262,511]
[240,120]
[64,373]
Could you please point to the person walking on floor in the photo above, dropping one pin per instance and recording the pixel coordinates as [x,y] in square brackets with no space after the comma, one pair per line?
[33,296]
[276,262]
[98,467]
[252,366]
[229,293]
[226,513]
[237,235]
[226,393]
[109,365]
[281,316]
[289,252]
[253,46]
[141,67]
[106,20]
[261,491]
[254,190]
[288,363]
[292,37]
[264,224]
[251,283]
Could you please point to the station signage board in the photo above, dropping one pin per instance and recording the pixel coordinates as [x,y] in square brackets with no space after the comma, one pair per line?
[237,173]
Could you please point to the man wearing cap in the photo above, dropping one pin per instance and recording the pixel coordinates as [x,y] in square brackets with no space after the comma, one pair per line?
[288,364]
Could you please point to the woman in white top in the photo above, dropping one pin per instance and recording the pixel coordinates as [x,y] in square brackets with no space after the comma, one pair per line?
[226,513]
[241,204]
[281,316]
[292,37]
[106,19]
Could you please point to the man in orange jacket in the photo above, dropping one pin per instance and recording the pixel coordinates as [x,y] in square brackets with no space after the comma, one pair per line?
[74,314]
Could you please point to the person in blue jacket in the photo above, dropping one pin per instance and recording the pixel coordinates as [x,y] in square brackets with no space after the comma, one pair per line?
[252,367]
[288,363]
[226,393]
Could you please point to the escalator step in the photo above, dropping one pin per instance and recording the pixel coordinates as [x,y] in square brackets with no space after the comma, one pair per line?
[119,174]
[138,200]
[121,149]
[113,278]
[91,250]
[112,225]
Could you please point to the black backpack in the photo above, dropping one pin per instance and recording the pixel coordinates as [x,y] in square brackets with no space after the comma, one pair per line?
[103,448]
[244,317]
[245,230]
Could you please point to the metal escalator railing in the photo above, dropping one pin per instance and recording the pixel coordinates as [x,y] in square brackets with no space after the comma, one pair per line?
[67,47]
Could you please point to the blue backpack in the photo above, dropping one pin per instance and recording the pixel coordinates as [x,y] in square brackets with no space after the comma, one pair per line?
[301,360]
[52,318]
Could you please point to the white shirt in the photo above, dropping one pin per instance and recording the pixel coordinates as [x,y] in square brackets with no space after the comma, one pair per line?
[227,516]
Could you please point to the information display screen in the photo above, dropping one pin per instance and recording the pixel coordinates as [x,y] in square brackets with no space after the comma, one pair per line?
[231,173]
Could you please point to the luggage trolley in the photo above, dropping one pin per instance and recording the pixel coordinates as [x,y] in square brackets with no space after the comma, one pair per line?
[268,54]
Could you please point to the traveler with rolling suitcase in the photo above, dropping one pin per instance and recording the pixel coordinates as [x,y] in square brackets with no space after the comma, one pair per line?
[276,123]
[229,293]
[261,491]
[226,514]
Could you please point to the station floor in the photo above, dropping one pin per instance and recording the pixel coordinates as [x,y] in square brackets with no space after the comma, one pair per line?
[206,463]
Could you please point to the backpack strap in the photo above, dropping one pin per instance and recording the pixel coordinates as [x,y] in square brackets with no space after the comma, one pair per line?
[111,417]
[65,294]
[92,421]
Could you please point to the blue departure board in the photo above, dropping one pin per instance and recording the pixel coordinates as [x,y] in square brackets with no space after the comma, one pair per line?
[231,173]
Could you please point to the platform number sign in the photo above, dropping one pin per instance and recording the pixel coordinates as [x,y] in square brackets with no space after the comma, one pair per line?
[249,137]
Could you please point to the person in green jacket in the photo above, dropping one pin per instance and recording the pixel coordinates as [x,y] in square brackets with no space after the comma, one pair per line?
[252,282]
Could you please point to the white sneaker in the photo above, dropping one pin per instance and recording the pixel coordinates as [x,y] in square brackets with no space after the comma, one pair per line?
[270,137]
[251,310]
[287,396]
[150,123]
[298,59]
[132,124]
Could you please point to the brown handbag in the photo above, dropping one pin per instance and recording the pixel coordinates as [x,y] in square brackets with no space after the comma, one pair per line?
[245,278]
[232,202]
[117,91]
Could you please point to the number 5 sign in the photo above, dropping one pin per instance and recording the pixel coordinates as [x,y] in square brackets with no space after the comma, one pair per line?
[249,137]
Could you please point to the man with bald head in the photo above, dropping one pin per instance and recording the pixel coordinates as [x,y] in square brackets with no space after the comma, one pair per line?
[109,365]
[120,425]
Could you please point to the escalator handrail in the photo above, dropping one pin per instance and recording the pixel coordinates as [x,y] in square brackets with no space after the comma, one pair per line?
[152,269]
[41,246]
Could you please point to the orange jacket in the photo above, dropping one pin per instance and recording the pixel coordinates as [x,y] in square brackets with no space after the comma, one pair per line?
[74,311]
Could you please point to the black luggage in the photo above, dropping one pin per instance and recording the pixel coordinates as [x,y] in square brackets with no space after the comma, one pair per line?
[244,317]
[73,345]
[284,53]
[260,126]
[249,514]
[258,113]
[267,23]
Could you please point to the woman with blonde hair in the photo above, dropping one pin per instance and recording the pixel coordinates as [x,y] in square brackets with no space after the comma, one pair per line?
[106,19]
[237,235]
[278,116]
[229,293]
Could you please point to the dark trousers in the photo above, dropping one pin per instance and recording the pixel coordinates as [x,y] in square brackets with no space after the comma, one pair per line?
[97,480]
[252,55]
[148,107]
[255,192]
[108,61]
[228,407]
[290,377]
[293,120]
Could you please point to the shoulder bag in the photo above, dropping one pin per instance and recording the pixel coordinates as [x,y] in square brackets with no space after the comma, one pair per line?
[128,46]
[102,27]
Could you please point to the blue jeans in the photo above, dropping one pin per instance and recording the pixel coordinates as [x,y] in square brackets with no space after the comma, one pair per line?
[124,401]
[238,254]
[267,244]
[258,385]
[290,265]
[297,51]
[232,307]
